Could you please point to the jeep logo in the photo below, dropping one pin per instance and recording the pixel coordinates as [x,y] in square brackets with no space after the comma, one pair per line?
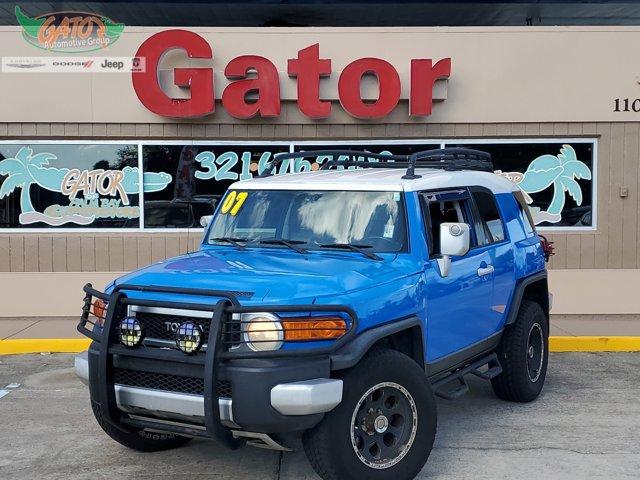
[109,64]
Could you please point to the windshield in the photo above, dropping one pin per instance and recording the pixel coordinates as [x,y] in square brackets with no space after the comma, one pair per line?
[372,220]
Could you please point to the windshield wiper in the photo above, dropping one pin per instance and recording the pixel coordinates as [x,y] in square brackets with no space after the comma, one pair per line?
[353,247]
[235,241]
[292,244]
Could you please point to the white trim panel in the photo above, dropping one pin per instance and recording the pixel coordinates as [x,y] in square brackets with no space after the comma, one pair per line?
[307,397]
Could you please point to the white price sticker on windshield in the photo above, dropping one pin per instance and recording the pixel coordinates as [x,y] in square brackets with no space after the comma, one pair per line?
[388,230]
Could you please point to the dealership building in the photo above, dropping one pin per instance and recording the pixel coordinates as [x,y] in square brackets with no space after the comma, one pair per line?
[104,169]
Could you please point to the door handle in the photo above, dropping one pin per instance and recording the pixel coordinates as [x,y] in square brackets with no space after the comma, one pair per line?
[482,271]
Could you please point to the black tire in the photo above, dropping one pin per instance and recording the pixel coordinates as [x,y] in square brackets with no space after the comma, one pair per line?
[139,439]
[329,446]
[524,355]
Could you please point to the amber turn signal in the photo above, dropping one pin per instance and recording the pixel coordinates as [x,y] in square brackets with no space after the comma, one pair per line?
[99,310]
[313,328]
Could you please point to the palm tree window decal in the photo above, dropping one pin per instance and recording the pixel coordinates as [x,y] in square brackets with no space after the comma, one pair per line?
[19,175]
[558,172]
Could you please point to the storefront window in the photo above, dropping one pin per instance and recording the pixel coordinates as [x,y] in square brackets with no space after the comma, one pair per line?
[96,185]
[197,177]
[556,178]
[69,185]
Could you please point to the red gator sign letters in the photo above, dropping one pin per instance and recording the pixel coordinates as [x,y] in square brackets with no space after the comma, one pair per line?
[253,74]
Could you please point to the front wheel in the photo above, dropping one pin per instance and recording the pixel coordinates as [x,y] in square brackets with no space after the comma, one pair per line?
[384,427]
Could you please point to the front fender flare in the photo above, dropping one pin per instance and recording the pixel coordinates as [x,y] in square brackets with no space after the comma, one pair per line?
[351,353]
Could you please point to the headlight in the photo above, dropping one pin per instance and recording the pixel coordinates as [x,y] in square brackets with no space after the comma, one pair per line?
[130,332]
[262,331]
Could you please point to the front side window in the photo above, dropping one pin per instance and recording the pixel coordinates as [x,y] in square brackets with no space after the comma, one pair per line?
[441,210]
[311,219]
[489,229]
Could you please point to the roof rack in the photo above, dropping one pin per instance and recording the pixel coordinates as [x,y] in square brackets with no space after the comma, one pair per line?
[449,159]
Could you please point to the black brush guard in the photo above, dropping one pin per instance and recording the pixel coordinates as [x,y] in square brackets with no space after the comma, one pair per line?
[226,305]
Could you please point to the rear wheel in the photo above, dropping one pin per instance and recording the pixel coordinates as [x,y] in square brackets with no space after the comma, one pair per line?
[384,427]
[139,439]
[523,354]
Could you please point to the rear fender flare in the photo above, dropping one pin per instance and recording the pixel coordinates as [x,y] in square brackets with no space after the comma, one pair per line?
[519,294]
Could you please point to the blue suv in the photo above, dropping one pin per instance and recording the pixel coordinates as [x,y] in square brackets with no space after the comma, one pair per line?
[331,306]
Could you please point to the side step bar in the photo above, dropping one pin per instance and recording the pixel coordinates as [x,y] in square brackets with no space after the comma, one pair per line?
[443,388]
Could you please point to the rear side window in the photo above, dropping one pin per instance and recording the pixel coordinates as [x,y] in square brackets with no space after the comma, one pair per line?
[525,213]
[490,228]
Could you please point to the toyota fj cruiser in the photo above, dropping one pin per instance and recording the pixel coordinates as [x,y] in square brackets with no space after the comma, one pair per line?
[330,305]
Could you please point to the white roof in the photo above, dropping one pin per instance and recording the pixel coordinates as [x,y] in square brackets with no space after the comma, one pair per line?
[378,179]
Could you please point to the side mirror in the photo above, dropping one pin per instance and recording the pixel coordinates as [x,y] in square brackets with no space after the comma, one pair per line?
[454,241]
[204,221]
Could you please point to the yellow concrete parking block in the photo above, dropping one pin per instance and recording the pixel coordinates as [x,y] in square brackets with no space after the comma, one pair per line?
[556,344]
[594,344]
[37,345]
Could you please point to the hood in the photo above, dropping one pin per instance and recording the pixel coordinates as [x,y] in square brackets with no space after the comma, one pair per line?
[273,275]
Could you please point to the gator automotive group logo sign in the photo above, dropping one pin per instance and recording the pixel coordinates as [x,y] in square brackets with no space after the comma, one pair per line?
[69,32]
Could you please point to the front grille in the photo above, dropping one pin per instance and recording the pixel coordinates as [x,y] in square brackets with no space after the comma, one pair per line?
[162,326]
[232,332]
[224,389]
[170,383]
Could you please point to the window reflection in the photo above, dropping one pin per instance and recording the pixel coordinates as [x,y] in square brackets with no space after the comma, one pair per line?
[316,218]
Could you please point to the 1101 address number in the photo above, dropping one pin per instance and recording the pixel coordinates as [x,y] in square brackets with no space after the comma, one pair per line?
[626,105]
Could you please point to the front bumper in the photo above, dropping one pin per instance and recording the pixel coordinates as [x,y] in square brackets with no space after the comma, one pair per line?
[268,392]
[299,398]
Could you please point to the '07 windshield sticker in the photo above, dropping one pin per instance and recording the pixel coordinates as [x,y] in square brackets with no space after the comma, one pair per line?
[234,202]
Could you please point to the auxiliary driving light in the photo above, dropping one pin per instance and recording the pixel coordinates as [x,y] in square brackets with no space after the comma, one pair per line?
[189,337]
[130,332]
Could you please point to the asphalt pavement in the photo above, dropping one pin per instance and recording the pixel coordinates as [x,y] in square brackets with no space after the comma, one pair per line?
[586,425]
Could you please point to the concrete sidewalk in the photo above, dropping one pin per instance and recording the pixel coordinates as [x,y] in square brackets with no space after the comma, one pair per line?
[561,325]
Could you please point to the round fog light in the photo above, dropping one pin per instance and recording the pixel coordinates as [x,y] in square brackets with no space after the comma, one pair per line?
[130,332]
[189,337]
